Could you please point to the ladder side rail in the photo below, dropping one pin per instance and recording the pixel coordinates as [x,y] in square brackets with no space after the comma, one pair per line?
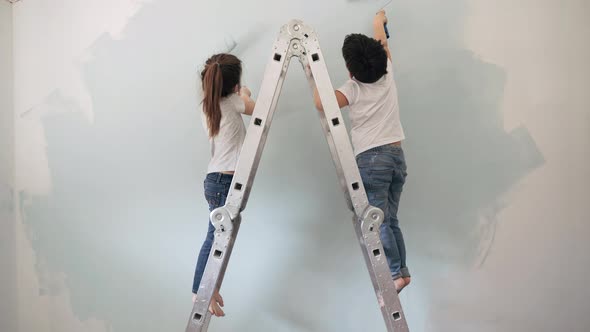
[255,140]
[329,138]
[337,134]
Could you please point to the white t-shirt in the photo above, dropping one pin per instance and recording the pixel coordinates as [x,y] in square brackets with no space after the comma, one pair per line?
[374,112]
[227,144]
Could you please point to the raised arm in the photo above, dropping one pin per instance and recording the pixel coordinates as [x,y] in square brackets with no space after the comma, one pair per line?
[248,102]
[379,30]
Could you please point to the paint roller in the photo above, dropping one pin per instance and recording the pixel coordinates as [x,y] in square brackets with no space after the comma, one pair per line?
[385,24]
[380,9]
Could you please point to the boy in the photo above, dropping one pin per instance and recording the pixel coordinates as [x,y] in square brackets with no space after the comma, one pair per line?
[371,96]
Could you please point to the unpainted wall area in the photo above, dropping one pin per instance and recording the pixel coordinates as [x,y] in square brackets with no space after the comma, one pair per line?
[111,156]
[7,218]
[8,310]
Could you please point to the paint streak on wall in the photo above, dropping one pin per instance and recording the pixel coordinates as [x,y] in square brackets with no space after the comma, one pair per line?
[44,300]
[63,43]
[541,241]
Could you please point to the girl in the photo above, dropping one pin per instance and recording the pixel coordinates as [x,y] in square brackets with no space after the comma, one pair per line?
[224,101]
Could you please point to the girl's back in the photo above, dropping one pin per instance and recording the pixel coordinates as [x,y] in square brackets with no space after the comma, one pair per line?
[226,145]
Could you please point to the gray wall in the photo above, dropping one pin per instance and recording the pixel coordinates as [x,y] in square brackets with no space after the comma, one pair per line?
[110,158]
[7,218]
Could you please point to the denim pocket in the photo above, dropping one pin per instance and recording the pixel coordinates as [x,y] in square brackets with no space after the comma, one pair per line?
[213,199]
[380,178]
[382,168]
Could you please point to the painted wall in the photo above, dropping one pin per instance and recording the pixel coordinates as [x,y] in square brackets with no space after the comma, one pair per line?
[110,157]
[7,217]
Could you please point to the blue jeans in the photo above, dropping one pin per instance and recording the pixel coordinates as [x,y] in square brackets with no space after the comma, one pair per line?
[383,170]
[216,189]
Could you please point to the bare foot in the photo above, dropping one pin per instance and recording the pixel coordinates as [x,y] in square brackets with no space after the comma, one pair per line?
[216,305]
[407,280]
[399,284]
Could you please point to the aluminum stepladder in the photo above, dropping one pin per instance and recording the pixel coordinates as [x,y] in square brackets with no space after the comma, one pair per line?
[298,40]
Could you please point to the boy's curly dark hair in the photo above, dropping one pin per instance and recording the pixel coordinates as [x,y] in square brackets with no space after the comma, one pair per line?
[365,58]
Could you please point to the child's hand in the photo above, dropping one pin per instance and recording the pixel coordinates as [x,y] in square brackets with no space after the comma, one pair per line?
[216,304]
[380,17]
[245,91]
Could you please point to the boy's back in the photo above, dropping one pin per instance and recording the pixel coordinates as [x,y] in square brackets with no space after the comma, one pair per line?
[374,112]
